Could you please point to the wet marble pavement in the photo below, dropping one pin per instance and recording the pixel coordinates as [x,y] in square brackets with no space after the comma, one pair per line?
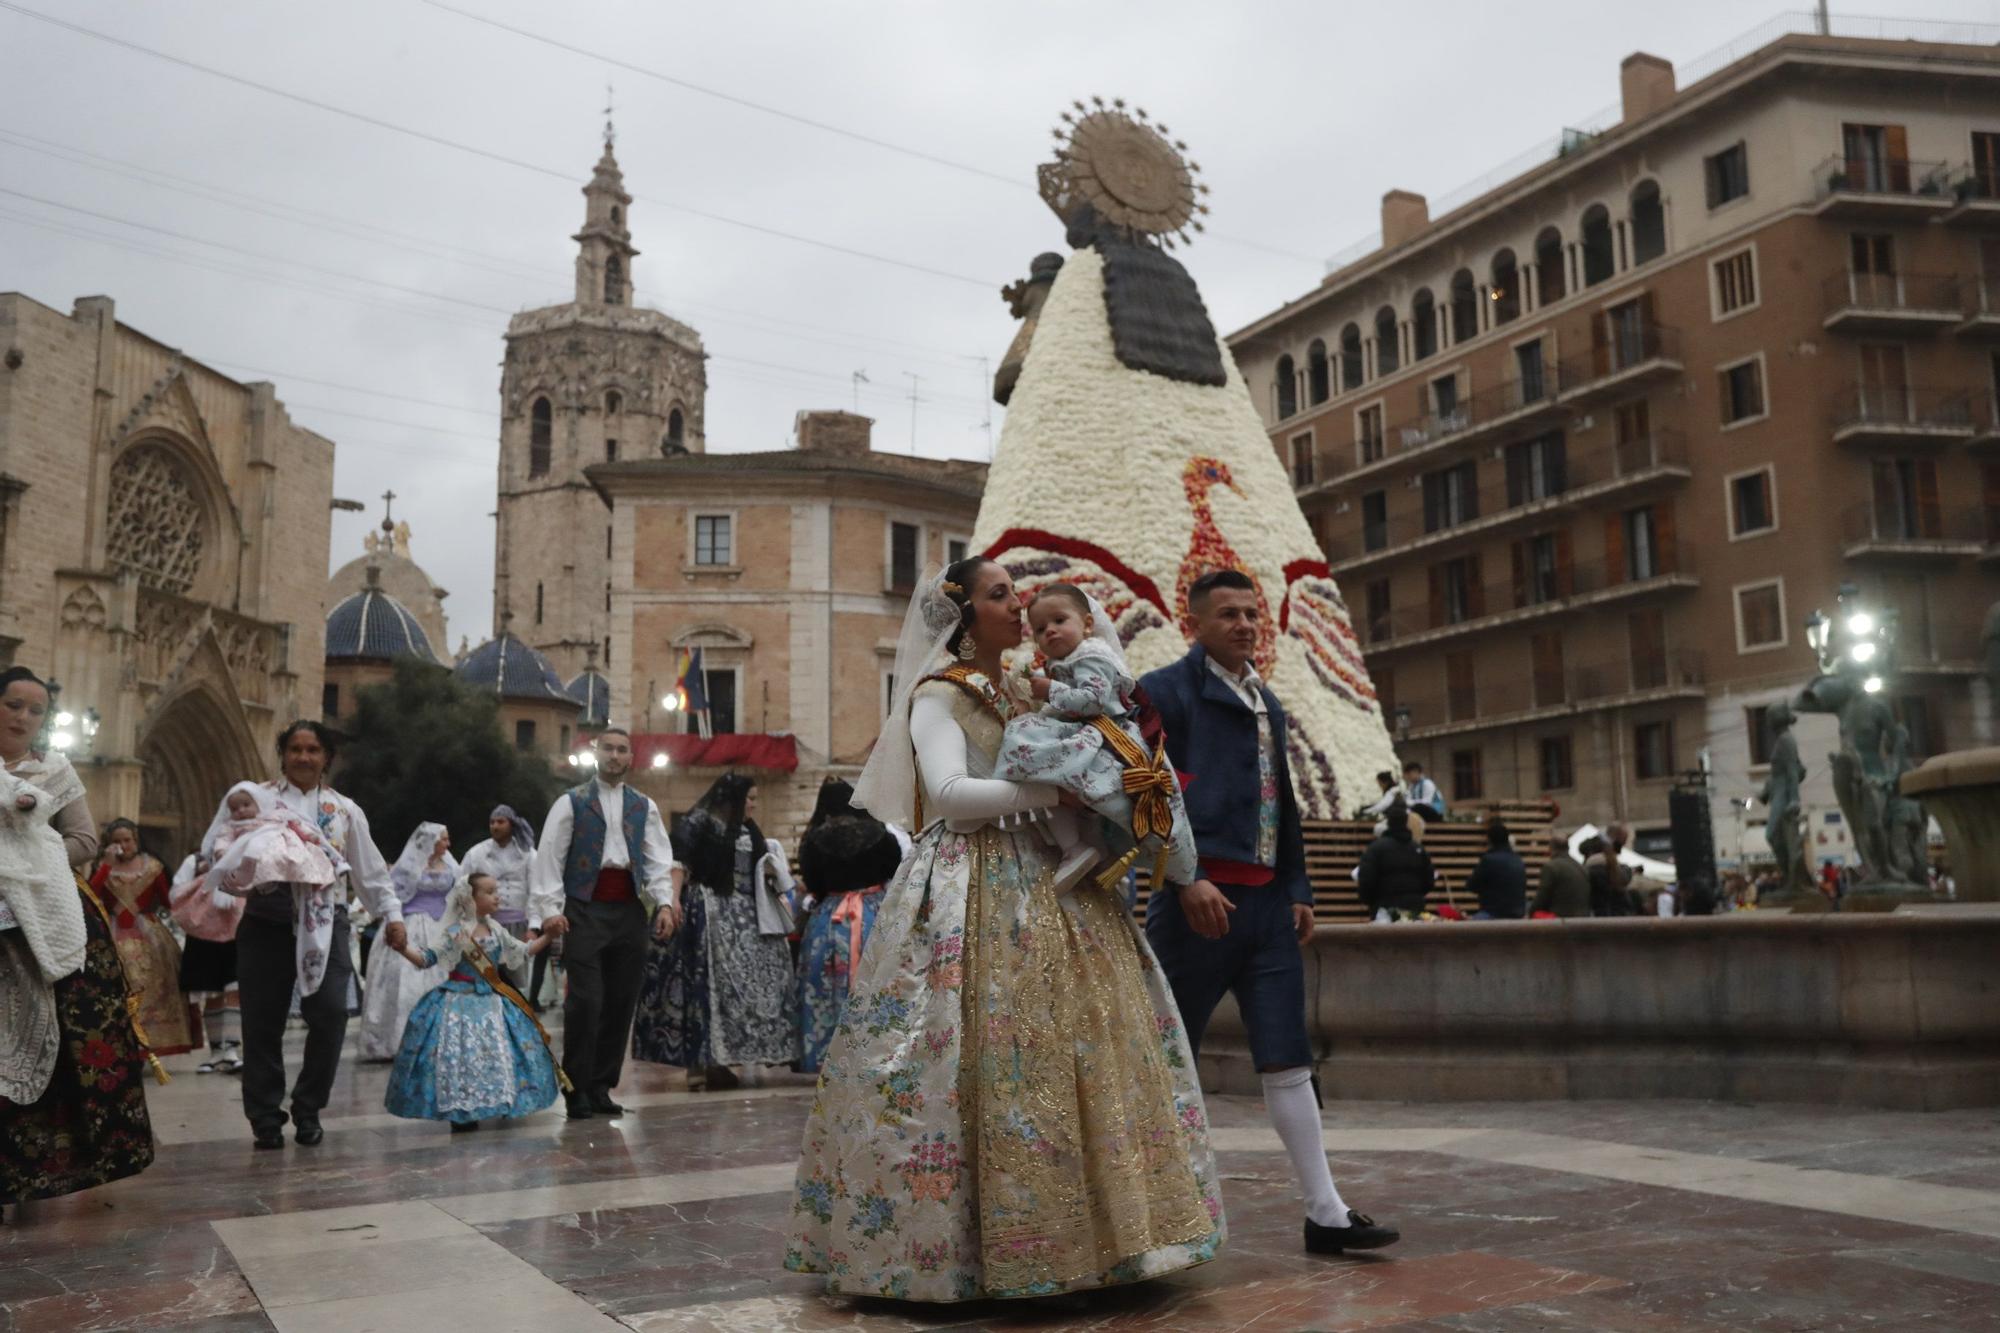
[1588,1216]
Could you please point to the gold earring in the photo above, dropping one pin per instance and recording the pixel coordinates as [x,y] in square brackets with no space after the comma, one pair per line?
[967,650]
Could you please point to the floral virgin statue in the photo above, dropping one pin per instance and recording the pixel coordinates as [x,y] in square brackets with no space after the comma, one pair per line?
[1133,461]
[1008,1106]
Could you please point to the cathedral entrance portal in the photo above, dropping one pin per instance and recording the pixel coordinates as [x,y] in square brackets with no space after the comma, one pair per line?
[194,749]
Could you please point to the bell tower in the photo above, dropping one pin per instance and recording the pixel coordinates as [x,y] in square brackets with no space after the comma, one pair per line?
[593,382]
[604,247]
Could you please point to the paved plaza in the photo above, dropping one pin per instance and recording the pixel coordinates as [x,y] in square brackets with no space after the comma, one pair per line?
[1572,1215]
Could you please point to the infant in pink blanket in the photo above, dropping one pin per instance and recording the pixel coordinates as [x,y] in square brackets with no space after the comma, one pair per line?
[256,843]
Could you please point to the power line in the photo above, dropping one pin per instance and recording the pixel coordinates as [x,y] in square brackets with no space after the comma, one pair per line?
[490,155]
[842,131]
[723,357]
[772,325]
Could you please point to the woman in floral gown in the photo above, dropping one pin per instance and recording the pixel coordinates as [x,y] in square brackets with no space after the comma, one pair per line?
[846,859]
[72,1107]
[719,991]
[133,888]
[1008,1106]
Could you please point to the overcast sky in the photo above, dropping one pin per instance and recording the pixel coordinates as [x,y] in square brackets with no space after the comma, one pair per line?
[381,266]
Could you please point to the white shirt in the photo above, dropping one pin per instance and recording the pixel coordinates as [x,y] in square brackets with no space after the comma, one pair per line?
[545,880]
[346,828]
[1246,685]
[508,865]
[1389,798]
[1423,792]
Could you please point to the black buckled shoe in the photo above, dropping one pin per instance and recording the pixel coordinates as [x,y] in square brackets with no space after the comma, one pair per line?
[271,1136]
[1360,1233]
[601,1103]
[306,1131]
[578,1106]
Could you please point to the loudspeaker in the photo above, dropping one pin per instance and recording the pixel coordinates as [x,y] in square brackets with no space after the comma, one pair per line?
[1693,831]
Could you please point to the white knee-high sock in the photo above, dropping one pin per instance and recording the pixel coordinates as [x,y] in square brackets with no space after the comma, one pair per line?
[1294,1111]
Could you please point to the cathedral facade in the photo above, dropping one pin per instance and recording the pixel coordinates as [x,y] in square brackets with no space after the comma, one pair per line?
[163,540]
[594,380]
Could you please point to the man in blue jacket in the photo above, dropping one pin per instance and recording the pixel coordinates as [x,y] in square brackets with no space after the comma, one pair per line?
[1239,927]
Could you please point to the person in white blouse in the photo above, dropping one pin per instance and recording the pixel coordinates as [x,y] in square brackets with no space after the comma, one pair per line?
[1001,1041]
[507,855]
[266,950]
[602,868]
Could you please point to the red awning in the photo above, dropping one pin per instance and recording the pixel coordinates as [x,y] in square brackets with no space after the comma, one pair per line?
[749,750]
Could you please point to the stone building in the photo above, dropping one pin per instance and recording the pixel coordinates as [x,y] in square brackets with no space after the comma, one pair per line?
[366,633]
[790,570]
[593,380]
[387,553]
[163,542]
[536,709]
[1586,449]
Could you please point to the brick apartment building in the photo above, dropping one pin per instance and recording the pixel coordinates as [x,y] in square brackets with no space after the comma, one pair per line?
[1585,451]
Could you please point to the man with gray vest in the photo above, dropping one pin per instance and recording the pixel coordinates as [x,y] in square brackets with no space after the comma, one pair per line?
[603,867]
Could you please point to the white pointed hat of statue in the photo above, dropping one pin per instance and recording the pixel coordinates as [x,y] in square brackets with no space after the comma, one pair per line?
[1133,461]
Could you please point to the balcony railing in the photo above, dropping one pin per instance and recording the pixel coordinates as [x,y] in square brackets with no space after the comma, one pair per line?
[1869,413]
[1548,591]
[1515,402]
[1975,191]
[1867,179]
[1626,353]
[1887,529]
[1891,300]
[1979,303]
[1509,497]
[1499,696]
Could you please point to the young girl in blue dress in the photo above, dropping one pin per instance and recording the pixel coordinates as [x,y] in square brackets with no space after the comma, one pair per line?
[472,1050]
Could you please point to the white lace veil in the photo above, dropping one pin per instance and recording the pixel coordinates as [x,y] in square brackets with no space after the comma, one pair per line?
[458,908]
[887,787]
[1103,630]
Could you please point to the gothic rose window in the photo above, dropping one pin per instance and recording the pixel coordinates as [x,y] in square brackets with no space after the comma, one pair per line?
[155,525]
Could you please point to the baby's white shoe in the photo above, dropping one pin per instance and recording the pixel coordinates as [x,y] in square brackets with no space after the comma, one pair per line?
[1074,867]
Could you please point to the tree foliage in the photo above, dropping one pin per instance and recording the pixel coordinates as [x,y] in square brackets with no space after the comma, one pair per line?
[425,746]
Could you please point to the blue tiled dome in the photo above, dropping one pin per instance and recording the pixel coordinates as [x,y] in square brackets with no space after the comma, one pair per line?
[372,624]
[512,670]
[594,693]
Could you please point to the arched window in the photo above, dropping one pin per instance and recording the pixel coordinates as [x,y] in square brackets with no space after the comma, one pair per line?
[1388,341]
[614,403]
[1506,293]
[1649,223]
[1598,263]
[1550,280]
[1319,384]
[676,431]
[541,437]
[617,215]
[1464,307]
[614,281]
[1288,387]
[1423,325]
[1350,358]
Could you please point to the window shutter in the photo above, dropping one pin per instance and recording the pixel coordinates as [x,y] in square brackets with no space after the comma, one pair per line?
[1712,171]
[1663,537]
[1896,144]
[1437,596]
[1600,343]
[1519,553]
[1929,522]
[1475,592]
[1886,519]
[1565,565]
[1614,550]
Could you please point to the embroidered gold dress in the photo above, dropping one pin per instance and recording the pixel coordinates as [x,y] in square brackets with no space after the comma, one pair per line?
[136,893]
[1008,1107]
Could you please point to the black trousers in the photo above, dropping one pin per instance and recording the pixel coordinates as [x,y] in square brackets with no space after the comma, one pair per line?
[265,972]
[604,955]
